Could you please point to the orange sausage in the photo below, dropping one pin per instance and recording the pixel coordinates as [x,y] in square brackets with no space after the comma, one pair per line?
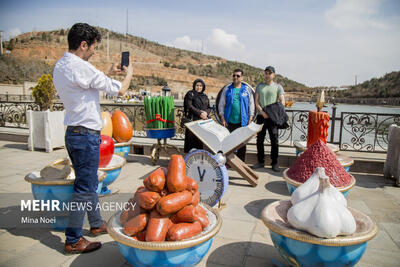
[157,227]
[173,219]
[126,215]
[165,171]
[196,198]
[136,224]
[148,199]
[176,177]
[139,190]
[187,214]
[171,223]
[183,230]
[164,192]
[141,236]
[201,210]
[202,219]
[192,185]
[174,202]
[155,181]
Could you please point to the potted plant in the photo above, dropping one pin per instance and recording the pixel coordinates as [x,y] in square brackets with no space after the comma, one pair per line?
[46,127]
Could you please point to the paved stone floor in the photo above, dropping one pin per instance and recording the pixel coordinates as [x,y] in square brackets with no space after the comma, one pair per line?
[242,241]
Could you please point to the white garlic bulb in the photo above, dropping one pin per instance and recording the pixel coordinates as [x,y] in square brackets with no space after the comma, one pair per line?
[321,214]
[311,186]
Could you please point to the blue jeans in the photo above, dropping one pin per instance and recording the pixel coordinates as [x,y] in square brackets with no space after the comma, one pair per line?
[84,151]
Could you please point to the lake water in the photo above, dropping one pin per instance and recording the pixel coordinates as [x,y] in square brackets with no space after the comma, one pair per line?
[347,108]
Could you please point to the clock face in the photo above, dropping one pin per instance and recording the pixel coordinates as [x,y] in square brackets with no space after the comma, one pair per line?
[211,177]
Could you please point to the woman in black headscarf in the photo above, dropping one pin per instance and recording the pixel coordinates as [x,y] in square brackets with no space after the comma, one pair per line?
[196,106]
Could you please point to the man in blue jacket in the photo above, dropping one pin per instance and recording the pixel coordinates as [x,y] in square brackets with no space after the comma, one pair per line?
[236,106]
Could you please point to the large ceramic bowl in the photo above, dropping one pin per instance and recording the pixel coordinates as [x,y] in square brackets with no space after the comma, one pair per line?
[292,184]
[299,248]
[122,149]
[112,170]
[188,252]
[48,189]
[346,162]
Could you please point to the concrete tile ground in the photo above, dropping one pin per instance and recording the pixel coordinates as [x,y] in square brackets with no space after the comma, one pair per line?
[242,241]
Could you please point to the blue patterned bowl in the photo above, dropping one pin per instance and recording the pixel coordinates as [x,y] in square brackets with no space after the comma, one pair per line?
[160,133]
[122,149]
[112,170]
[57,189]
[292,184]
[188,252]
[300,248]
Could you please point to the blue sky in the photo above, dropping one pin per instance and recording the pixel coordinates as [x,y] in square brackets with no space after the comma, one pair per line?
[311,41]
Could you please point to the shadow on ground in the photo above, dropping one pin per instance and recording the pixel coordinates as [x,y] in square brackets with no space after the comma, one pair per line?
[21,146]
[236,254]
[255,207]
[369,180]
[238,181]
[146,160]
[11,222]
[277,187]
[107,255]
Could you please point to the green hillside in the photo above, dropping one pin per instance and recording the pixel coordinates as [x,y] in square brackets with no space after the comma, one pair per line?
[386,86]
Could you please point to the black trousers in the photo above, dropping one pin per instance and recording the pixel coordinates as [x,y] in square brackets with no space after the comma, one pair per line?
[191,141]
[273,136]
[241,152]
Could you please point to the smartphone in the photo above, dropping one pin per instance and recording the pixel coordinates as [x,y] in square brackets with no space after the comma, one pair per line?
[125,59]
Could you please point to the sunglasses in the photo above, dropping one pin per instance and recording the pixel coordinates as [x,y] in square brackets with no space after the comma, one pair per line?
[235,75]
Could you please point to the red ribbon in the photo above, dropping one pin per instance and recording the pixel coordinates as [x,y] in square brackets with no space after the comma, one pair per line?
[158,118]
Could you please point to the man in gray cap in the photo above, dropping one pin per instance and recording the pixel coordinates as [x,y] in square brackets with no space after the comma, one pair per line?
[268,93]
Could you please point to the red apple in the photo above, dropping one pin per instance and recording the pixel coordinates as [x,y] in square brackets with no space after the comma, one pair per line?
[106,150]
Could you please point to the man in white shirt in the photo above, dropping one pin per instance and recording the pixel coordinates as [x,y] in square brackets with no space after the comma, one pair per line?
[78,84]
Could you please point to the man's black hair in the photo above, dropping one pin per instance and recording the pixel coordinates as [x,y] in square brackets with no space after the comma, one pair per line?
[82,32]
[239,70]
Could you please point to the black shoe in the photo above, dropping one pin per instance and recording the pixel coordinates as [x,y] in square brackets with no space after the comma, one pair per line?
[275,168]
[257,166]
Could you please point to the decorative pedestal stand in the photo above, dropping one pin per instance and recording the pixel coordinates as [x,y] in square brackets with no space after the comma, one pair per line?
[188,252]
[156,148]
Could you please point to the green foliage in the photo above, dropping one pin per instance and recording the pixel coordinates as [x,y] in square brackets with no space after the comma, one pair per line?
[202,70]
[11,44]
[181,67]
[44,92]
[140,81]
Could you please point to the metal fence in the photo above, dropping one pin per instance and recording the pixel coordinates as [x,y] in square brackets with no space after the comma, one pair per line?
[351,131]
